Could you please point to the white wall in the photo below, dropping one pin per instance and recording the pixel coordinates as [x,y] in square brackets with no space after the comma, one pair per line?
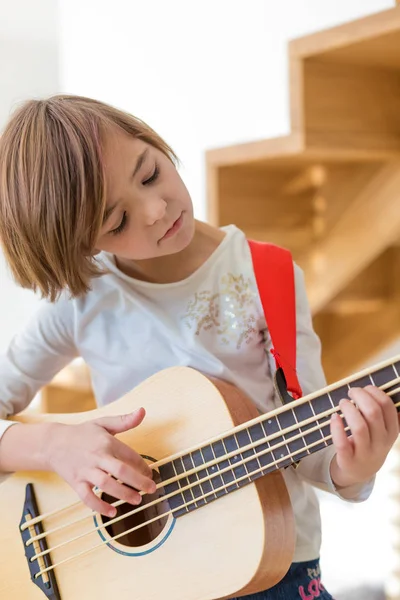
[28,68]
[205,74]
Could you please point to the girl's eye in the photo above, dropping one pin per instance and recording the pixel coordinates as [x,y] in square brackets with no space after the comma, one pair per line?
[153,177]
[121,226]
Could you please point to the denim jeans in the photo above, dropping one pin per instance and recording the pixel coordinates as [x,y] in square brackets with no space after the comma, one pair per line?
[301,582]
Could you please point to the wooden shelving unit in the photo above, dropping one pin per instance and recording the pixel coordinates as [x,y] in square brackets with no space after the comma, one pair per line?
[330,191]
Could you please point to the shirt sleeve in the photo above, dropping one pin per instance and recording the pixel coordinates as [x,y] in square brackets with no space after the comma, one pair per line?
[34,356]
[315,468]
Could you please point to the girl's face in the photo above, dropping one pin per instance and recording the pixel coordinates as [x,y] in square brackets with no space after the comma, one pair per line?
[149,212]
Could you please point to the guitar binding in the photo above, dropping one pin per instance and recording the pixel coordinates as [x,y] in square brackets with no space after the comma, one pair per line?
[47,582]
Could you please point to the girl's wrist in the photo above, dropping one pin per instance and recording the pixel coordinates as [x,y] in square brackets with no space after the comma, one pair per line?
[341,479]
[28,447]
[54,441]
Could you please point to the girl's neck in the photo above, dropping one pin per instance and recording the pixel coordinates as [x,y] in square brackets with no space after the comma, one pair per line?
[179,266]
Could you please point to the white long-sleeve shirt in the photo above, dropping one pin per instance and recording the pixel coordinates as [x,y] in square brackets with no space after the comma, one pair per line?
[212,321]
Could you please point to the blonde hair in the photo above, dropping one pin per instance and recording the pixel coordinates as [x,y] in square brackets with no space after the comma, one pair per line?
[52,189]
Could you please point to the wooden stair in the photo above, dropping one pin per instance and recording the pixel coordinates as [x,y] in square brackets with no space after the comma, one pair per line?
[330,191]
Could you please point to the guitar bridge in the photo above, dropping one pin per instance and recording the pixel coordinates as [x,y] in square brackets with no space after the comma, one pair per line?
[47,581]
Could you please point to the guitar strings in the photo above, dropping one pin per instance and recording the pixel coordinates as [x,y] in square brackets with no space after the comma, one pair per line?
[197,499]
[170,512]
[233,431]
[234,454]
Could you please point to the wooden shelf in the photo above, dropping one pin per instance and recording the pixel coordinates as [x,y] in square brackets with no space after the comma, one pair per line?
[329,191]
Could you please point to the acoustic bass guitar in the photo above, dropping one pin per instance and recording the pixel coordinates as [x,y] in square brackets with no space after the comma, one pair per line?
[220,524]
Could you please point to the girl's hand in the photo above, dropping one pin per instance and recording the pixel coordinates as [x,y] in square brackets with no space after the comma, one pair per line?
[374,425]
[88,455]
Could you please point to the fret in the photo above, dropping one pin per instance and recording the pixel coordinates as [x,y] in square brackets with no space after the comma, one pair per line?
[244,439]
[239,470]
[239,445]
[361,382]
[228,477]
[231,473]
[195,489]
[384,375]
[266,459]
[307,451]
[304,412]
[176,501]
[317,423]
[288,419]
[272,426]
[206,486]
[320,405]
[338,394]
[183,482]
[388,375]
[396,399]
[345,424]
[215,480]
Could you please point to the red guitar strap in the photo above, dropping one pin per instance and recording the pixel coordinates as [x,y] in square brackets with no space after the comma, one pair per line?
[273,268]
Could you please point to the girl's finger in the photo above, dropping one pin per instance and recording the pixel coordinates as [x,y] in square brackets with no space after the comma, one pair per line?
[357,424]
[389,412]
[87,495]
[132,458]
[372,412]
[343,446]
[116,489]
[128,475]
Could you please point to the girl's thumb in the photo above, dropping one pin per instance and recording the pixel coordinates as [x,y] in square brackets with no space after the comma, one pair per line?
[122,423]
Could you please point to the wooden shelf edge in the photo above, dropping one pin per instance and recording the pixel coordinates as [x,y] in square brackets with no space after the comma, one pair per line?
[248,152]
[270,150]
[298,142]
[340,36]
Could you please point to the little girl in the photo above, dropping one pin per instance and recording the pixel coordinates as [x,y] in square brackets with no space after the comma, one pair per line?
[94,215]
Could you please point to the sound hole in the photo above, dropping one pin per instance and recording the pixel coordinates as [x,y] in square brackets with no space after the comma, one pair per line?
[146,532]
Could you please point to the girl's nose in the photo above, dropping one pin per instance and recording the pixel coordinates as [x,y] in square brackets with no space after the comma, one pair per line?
[155,210]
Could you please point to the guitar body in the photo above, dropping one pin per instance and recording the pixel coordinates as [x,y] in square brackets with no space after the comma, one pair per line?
[238,544]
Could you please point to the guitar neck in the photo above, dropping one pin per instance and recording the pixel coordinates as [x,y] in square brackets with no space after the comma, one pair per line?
[271,442]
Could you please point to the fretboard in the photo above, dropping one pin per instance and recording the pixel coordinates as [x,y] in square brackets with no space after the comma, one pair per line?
[282,437]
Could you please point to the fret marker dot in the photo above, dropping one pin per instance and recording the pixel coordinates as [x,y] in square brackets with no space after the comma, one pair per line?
[269,421]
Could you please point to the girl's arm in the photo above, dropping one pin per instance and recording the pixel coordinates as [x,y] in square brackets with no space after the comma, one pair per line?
[34,356]
[85,455]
